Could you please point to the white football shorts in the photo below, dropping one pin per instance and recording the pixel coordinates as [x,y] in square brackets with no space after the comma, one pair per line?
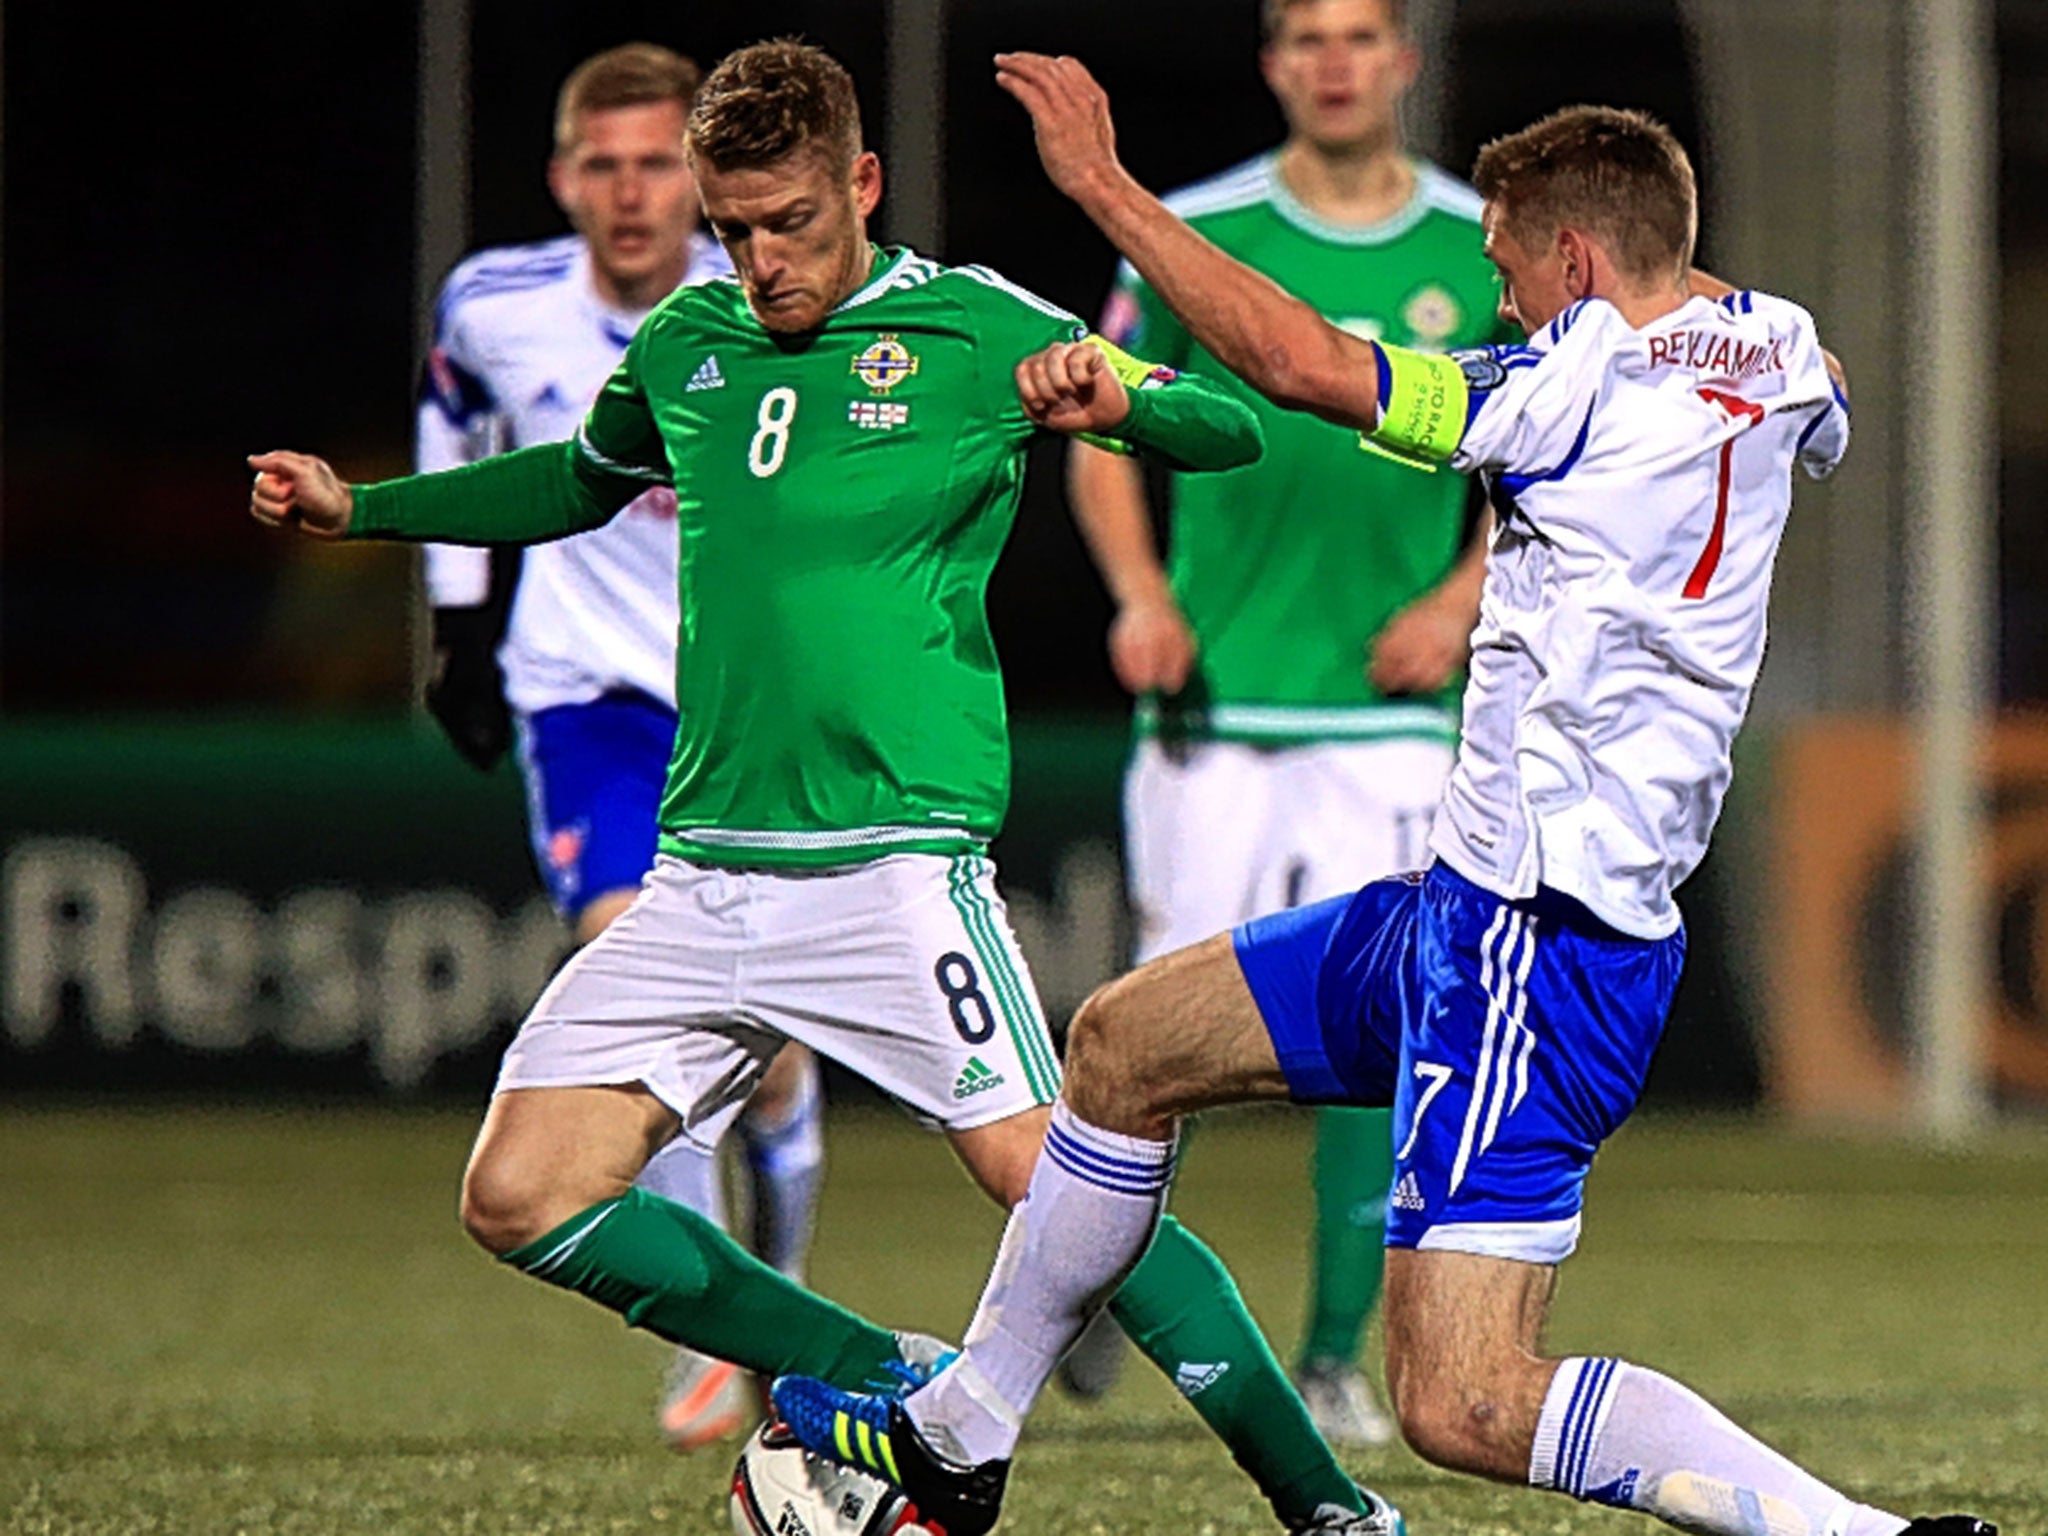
[1218,832]
[903,970]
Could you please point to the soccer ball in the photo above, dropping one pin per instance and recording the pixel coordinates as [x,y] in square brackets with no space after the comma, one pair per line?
[781,1489]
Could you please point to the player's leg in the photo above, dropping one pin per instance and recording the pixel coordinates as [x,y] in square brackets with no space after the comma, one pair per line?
[1193,1030]
[627,1041]
[596,916]
[982,1006]
[1350,1171]
[594,775]
[703,1398]
[1476,1394]
[1178,1303]
[1196,818]
[1349,812]
[1074,1242]
[1525,1044]
[550,1191]
[1236,1018]
[782,1137]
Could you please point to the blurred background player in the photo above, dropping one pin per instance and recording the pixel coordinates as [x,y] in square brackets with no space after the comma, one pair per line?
[1297,667]
[569,648]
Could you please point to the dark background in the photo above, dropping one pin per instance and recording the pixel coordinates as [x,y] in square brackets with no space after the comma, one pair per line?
[222,263]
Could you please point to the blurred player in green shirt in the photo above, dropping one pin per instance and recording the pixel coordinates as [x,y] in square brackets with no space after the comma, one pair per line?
[1297,659]
[845,429]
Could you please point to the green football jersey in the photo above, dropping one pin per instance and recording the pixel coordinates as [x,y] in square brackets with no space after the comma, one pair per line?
[842,497]
[1287,568]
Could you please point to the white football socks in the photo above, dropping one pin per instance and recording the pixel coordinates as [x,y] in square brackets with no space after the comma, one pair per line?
[684,1172]
[1082,1226]
[1615,1433]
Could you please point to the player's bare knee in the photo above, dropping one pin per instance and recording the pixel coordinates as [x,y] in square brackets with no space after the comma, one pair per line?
[1442,1424]
[1459,1421]
[1106,1083]
[498,1212]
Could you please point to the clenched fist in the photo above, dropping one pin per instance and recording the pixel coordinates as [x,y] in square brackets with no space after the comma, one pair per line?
[297,489]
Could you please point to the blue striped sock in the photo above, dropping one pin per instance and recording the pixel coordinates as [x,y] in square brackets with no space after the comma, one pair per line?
[1094,1200]
[1619,1434]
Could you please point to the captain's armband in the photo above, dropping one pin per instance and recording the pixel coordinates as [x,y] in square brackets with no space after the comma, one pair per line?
[1423,405]
[1134,373]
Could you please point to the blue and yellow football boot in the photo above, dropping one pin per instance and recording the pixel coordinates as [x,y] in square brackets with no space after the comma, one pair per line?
[873,1433]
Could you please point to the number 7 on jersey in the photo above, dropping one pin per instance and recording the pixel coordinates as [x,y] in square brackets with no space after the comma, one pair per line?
[1710,557]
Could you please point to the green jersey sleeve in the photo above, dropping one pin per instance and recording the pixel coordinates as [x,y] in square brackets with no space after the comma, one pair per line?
[1183,422]
[529,496]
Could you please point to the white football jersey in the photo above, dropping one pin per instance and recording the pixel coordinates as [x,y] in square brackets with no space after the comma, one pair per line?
[522,345]
[1642,479]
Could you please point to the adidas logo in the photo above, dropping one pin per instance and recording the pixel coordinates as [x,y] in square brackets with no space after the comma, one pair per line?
[1193,1377]
[976,1077]
[1407,1194]
[707,376]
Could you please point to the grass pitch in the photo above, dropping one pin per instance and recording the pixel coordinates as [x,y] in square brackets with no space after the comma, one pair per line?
[266,1322]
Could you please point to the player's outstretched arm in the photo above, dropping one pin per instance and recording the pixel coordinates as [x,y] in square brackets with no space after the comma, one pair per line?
[1096,391]
[530,496]
[1276,343]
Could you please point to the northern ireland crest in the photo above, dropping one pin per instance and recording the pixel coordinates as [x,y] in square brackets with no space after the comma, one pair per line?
[884,363]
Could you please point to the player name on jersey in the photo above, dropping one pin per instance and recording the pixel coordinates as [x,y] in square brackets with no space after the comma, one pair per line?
[1725,357]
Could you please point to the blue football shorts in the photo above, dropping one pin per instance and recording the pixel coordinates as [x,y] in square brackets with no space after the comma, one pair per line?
[1510,1037]
[594,776]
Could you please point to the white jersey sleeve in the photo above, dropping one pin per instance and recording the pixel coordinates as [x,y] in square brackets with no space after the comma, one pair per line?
[458,422]
[1824,438]
[1529,405]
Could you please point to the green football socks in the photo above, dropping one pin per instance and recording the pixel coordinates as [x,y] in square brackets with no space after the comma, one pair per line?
[1354,1164]
[664,1268]
[1181,1308]
[667,1269]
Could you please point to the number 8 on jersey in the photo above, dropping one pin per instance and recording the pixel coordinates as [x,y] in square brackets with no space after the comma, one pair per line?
[771,440]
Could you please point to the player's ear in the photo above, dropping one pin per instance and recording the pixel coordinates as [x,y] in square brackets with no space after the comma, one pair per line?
[1268,63]
[867,182]
[558,184]
[1407,67]
[1576,253]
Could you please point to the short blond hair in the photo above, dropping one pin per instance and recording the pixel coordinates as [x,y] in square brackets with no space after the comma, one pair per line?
[1271,13]
[630,75]
[1620,175]
[767,101]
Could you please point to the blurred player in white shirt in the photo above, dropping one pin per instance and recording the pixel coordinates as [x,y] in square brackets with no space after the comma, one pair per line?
[570,648]
[1506,1002]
